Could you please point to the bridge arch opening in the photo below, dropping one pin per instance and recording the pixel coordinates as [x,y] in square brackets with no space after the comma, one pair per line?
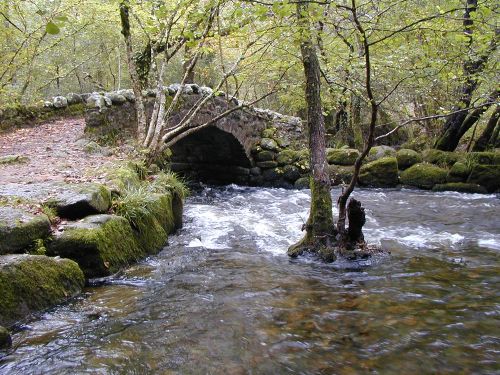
[211,155]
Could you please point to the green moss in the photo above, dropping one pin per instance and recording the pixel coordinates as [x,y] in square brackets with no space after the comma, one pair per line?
[441,158]
[487,176]
[460,187]
[287,157]
[459,172]
[379,152]
[407,158]
[265,156]
[380,173]
[340,174]
[30,283]
[302,183]
[268,133]
[100,244]
[13,159]
[344,156]
[423,175]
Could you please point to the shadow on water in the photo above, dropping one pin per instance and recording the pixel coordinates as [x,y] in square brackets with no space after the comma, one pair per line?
[223,298]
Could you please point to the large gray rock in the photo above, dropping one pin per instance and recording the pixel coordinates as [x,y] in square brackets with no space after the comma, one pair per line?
[73,98]
[29,283]
[380,173]
[60,102]
[379,152]
[72,201]
[20,229]
[269,144]
[115,98]
[407,158]
[96,100]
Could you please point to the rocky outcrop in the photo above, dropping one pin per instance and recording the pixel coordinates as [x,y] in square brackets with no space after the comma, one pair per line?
[29,283]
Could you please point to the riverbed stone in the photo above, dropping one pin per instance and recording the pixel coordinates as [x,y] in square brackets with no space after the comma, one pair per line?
[340,174]
[441,158]
[287,157]
[5,339]
[380,173]
[487,176]
[29,283]
[269,144]
[378,152]
[255,171]
[460,187]
[272,175]
[407,158]
[342,156]
[302,183]
[100,244]
[20,229]
[423,175]
[291,173]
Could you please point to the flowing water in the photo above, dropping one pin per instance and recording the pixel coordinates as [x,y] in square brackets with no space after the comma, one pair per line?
[224,298]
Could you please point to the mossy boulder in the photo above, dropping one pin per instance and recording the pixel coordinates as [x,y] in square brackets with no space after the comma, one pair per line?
[379,152]
[340,174]
[29,283]
[458,172]
[441,158]
[485,158]
[302,183]
[460,187]
[5,339]
[487,176]
[287,157]
[380,173]
[407,158]
[342,156]
[291,173]
[20,229]
[269,144]
[265,156]
[423,175]
[100,244]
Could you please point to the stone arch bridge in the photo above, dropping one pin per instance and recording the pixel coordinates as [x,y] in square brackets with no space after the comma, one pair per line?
[228,151]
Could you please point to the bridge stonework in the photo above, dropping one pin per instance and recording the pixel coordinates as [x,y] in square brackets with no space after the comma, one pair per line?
[241,147]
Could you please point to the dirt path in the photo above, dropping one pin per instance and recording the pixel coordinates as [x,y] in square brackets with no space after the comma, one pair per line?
[54,154]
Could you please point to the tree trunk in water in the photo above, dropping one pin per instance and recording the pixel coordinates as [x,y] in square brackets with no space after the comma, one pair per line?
[320,230]
[136,83]
[451,133]
[484,139]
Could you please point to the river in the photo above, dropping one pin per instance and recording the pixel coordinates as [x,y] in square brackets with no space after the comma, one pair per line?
[223,297]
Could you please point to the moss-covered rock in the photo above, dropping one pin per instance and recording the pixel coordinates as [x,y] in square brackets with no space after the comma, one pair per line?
[5,339]
[441,158]
[269,144]
[100,244]
[287,157]
[460,187]
[302,183]
[487,176]
[340,174]
[268,133]
[407,158]
[265,156]
[29,283]
[380,173]
[20,229]
[267,164]
[291,173]
[485,158]
[458,172]
[379,152]
[423,175]
[342,156]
